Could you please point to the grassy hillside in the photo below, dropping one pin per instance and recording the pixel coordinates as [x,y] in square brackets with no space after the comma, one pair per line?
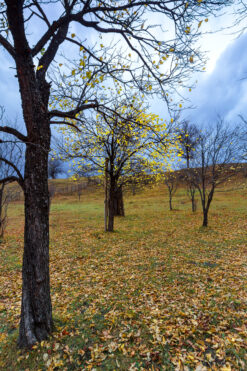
[159,293]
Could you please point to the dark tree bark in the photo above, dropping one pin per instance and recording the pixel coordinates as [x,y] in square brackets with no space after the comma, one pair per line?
[206,202]
[111,198]
[170,201]
[193,202]
[36,309]
[205,218]
[1,210]
[118,202]
[191,192]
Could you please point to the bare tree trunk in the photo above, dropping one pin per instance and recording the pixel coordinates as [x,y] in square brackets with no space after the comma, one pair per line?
[111,198]
[36,310]
[170,201]
[193,200]
[205,218]
[106,194]
[1,211]
[133,189]
[118,202]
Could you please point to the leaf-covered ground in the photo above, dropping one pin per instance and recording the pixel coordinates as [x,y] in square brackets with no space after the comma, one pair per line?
[160,293]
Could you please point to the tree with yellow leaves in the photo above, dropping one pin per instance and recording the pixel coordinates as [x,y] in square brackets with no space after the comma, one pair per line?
[113,142]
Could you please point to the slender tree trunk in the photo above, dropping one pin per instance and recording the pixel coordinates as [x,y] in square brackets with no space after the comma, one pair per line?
[1,211]
[36,310]
[111,198]
[133,187]
[193,200]
[106,194]
[205,218]
[188,160]
[170,201]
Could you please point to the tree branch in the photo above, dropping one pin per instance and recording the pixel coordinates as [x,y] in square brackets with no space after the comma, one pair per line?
[46,37]
[71,114]
[16,133]
[7,46]
[52,49]
[21,180]
[65,123]
[11,179]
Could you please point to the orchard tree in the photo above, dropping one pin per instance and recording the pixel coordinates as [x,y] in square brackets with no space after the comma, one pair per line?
[55,167]
[188,135]
[215,162]
[111,142]
[36,34]
[191,189]
[171,181]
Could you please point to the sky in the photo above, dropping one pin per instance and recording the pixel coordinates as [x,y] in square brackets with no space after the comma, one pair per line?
[221,90]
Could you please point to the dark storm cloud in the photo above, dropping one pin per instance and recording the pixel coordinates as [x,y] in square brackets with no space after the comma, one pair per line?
[224,91]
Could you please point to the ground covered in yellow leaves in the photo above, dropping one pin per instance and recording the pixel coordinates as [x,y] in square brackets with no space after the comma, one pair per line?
[160,293]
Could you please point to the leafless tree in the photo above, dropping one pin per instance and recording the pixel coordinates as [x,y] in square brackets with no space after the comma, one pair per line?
[240,13]
[215,162]
[128,20]
[171,181]
[11,156]
[188,135]
[55,167]
[80,187]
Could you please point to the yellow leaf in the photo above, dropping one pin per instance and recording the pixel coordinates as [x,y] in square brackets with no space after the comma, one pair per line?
[39,67]
[187,30]
[73,35]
